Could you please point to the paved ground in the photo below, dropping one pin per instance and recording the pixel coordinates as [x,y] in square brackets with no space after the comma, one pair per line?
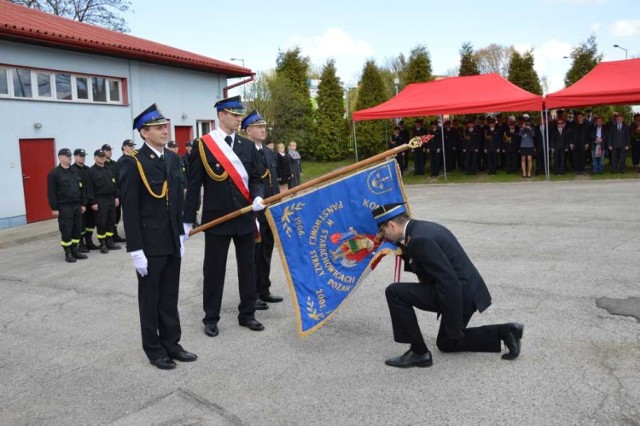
[70,345]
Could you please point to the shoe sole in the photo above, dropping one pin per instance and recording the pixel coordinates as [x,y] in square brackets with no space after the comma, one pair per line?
[252,329]
[421,365]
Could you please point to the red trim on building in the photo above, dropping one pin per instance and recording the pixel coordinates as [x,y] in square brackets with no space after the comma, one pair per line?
[20,23]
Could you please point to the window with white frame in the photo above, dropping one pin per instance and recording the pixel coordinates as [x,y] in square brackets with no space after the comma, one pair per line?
[4,82]
[205,126]
[36,84]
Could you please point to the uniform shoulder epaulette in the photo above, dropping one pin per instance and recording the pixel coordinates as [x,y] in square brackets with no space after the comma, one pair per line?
[133,152]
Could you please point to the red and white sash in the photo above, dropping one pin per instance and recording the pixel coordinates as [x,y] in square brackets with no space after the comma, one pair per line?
[230,162]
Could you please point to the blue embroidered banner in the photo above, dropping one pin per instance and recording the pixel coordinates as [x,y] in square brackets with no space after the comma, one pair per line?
[327,239]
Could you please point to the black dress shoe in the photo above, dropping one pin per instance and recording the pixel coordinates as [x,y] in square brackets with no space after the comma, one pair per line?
[184,356]
[261,306]
[165,363]
[252,324]
[211,330]
[271,299]
[511,338]
[411,359]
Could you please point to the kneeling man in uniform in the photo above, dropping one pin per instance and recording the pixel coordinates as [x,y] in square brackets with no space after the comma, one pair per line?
[449,284]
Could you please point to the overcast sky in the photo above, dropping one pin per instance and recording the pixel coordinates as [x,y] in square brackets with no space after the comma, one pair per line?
[351,32]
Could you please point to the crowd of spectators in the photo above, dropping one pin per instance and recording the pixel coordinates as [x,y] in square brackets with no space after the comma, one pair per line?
[577,141]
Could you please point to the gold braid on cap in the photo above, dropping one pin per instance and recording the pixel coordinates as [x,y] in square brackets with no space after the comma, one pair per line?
[165,184]
[213,175]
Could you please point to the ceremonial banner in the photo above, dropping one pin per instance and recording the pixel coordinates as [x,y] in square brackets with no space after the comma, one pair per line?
[327,239]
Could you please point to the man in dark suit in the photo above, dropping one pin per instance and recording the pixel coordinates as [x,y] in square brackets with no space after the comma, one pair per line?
[419,153]
[449,284]
[559,141]
[227,166]
[256,128]
[619,138]
[470,146]
[152,196]
[540,145]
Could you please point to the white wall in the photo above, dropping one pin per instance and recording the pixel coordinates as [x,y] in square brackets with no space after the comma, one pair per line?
[75,125]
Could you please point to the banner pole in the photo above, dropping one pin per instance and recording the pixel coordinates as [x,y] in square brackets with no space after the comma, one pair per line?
[413,143]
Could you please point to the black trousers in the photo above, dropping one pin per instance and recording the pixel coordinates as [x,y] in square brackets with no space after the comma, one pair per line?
[461,159]
[540,161]
[492,162]
[434,163]
[512,161]
[105,217]
[558,156]
[418,161]
[69,223]
[87,221]
[158,304]
[216,249]
[403,297]
[264,252]
[635,152]
[618,156]
[578,155]
[471,162]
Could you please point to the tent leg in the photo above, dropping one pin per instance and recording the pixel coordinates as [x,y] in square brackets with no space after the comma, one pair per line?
[547,169]
[355,140]
[444,156]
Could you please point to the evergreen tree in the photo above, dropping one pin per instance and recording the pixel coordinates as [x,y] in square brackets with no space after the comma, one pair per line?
[418,68]
[522,74]
[585,57]
[468,60]
[292,111]
[332,130]
[371,136]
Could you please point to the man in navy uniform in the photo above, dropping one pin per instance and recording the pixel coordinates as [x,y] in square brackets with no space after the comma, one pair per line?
[107,199]
[449,284]
[67,199]
[256,128]
[226,165]
[152,194]
[86,244]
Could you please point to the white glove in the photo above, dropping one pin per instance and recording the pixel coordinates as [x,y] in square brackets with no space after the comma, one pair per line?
[187,228]
[257,204]
[182,239]
[140,262]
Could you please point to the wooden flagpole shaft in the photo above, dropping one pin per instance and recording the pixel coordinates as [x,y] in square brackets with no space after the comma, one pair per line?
[413,143]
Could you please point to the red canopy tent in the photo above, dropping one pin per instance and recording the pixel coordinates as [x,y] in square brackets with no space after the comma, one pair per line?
[616,82]
[454,95]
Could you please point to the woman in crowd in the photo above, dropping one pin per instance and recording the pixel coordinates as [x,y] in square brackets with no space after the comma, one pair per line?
[295,162]
[284,168]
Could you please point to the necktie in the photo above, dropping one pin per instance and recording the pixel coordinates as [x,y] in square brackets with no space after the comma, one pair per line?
[228,140]
[619,126]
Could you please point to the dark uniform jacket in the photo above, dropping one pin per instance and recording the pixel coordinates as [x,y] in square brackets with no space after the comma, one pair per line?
[539,137]
[557,140]
[65,187]
[221,196]
[152,224]
[435,143]
[511,140]
[471,140]
[434,254]
[492,139]
[268,170]
[580,135]
[619,138]
[83,171]
[103,181]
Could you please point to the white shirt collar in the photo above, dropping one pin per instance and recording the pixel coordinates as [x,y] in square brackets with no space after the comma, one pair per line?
[220,134]
[158,153]
[404,231]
